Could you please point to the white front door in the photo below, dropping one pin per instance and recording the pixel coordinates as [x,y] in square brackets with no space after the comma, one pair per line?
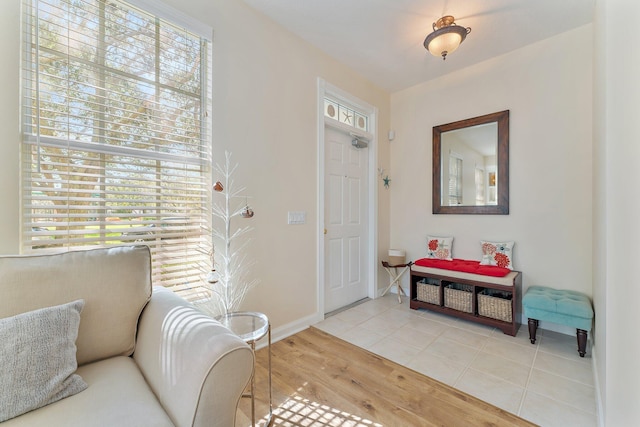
[346,220]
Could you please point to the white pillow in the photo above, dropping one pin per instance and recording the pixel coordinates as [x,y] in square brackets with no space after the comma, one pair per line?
[38,358]
[439,247]
[497,253]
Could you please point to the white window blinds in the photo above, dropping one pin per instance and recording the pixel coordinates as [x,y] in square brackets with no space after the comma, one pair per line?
[479,180]
[455,180]
[115,135]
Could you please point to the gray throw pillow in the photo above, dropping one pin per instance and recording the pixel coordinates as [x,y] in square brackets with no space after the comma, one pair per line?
[38,358]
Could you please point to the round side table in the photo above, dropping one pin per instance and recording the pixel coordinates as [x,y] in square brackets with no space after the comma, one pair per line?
[251,326]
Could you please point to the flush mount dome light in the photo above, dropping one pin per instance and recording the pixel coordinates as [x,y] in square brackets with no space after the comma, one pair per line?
[446,37]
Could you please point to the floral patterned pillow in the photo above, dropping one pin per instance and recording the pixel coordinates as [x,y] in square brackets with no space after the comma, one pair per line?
[439,247]
[497,253]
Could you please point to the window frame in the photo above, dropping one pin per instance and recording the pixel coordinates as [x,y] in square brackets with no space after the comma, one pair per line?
[33,138]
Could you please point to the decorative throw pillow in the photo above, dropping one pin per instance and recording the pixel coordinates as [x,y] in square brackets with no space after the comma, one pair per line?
[497,253]
[38,358]
[439,247]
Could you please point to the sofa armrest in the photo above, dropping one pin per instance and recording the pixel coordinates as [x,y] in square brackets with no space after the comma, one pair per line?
[197,368]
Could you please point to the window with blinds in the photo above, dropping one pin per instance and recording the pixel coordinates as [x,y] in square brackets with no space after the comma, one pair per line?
[479,180]
[115,136]
[455,180]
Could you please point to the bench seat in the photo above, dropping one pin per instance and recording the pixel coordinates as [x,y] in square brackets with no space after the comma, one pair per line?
[504,281]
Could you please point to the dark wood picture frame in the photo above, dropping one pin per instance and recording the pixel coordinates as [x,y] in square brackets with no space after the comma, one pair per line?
[502,206]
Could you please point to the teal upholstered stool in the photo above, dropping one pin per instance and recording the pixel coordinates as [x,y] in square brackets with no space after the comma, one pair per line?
[569,308]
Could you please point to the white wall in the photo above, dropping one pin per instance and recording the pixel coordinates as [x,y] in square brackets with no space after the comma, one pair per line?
[9,126]
[547,88]
[265,113]
[599,348]
[617,209]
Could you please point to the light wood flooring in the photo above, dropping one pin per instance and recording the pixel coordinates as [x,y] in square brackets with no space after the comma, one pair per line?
[321,380]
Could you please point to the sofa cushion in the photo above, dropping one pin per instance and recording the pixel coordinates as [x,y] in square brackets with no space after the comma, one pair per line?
[117,396]
[38,358]
[114,282]
[463,265]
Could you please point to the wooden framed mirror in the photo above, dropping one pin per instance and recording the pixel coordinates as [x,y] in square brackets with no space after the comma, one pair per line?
[471,166]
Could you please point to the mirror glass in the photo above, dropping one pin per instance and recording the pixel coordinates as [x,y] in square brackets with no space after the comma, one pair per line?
[471,166]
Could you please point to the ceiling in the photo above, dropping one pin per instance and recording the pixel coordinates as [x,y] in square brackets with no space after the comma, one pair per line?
[382,39]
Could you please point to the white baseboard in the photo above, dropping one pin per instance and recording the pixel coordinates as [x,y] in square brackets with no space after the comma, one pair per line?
[393,290]
[596,380]
[289,329]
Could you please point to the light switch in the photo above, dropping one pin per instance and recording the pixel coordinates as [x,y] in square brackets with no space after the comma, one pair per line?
[296,217]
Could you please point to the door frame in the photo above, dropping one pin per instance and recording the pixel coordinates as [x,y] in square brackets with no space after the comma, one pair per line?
[327,89]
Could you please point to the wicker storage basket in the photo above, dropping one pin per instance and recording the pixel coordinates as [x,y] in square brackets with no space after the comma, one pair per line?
[459,297]
[495,304]
[428,292]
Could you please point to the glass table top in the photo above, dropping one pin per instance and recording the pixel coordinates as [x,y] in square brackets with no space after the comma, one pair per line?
[248,325]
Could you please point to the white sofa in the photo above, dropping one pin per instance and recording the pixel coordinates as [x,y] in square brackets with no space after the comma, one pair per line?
[147,358]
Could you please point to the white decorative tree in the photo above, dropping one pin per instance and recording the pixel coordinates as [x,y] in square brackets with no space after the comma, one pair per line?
[228,278]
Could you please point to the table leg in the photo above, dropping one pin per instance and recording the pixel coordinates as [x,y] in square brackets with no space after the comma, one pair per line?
[270,419]
[394,279]
[253,388]
[252,383]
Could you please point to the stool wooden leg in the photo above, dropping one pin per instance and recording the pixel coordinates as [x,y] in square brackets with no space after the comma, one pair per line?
[533,327]
[582,341]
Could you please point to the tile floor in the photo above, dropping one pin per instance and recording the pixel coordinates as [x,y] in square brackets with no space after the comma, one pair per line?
[546,383]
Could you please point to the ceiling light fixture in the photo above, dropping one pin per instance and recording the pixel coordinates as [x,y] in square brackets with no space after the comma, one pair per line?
[446,37]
